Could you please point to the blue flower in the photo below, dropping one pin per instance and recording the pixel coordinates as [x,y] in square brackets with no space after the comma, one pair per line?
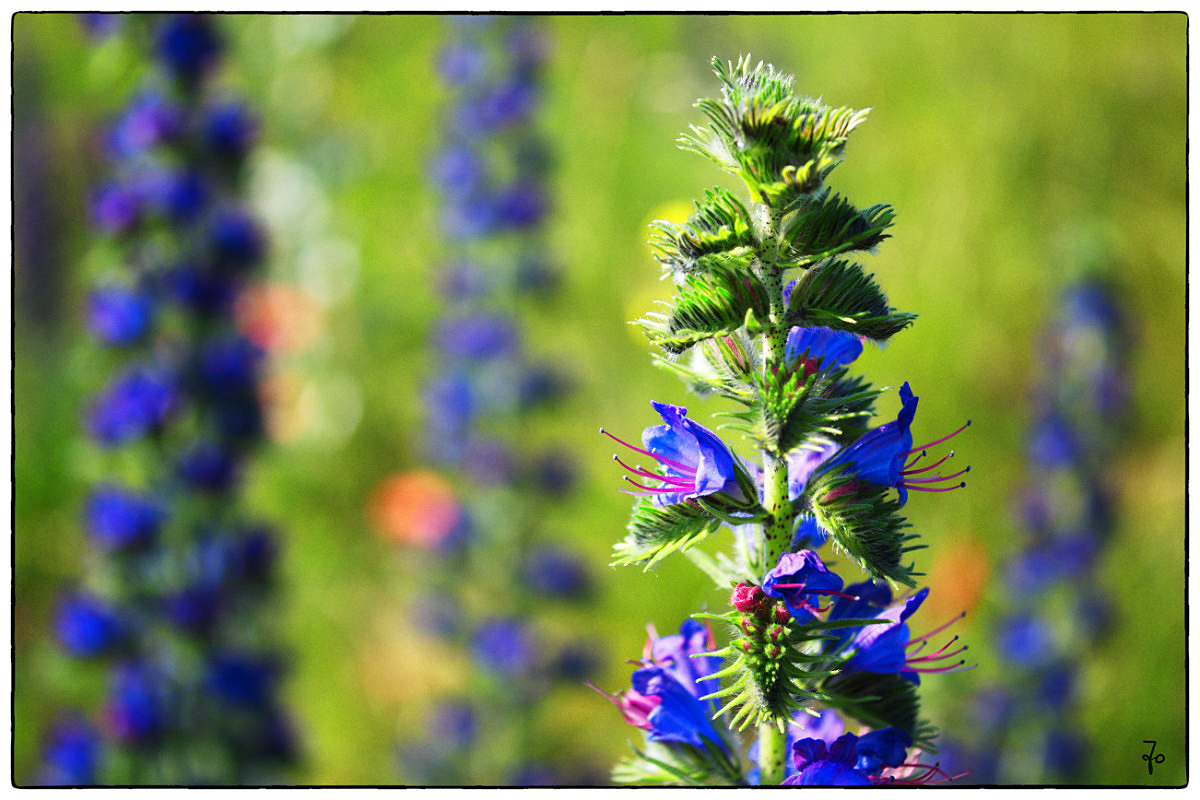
[851,760]
[826,727]
[680,715]
[695,462]
[521,205]
[230,129]
[116,208]
[136,710]
[236,239]
[505,646]
[229,364]
[149,120]
[137,402]
[1052,443]
[118,316]
[799,579]
[477,337]
[821,348]
[555,572]
[188,45]
[87,626]
[450,401]
[207,466]
[120,519]
[880,455]
[887,647]
[70,754]
[242,680]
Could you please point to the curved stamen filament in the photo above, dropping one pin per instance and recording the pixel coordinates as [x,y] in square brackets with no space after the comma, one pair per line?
[932,489]
[939,441]
[936,478]
[662,459]
[908,471]
[936,630]
[655,476]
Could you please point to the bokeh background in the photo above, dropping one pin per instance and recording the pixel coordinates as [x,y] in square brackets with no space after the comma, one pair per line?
[1020,151]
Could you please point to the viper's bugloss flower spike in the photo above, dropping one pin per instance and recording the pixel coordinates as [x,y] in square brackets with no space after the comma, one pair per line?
[176,574]
[781,349]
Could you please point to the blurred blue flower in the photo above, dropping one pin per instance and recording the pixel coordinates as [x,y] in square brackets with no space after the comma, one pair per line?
[1052,443]
[188,45]
[230,129]
[119,316]
[461,62]
[454,725]
[553,571]
[71,754]
[242,680]
[150,119]
[505,645]
[237,240]
[87,626]
[229,364]
[115,208]
[1025,639]
[137,402]
[459,171]
[208,466]
[137,703]
[477,336]
[120,519]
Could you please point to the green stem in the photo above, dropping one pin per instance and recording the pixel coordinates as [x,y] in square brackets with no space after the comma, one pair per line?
[777,530]
[772,753]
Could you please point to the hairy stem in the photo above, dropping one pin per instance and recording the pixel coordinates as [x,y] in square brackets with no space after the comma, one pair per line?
[772,754]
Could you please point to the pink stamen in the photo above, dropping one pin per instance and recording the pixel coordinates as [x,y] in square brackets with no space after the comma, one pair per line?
[907,471]
[816,591]
[647,474]
[931,489]
[662,459]
[663,490]
[936,478]
[915,460]
[936,630]
[939,441]
[951,668]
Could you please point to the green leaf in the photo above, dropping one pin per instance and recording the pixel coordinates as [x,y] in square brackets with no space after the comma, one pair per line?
[863,522]
[718,233]
[827,225]
[839,295]
[880,701]
[707,305]
[656,531]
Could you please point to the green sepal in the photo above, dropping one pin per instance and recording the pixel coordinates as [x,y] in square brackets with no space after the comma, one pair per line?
[880,701]
[863,521]
[839,295]
[718,233]
[656,531]
[709,304]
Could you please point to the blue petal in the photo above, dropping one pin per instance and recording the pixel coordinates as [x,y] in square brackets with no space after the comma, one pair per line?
[885,747]
[833,348]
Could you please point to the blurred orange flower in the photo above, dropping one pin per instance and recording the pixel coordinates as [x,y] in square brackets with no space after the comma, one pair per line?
[417,508]
[958,576]
[278,317]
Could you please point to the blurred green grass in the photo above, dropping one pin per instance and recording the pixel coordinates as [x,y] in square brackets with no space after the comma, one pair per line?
[1018,150]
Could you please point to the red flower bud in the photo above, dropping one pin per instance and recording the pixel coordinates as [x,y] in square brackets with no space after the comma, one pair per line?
[747,599]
